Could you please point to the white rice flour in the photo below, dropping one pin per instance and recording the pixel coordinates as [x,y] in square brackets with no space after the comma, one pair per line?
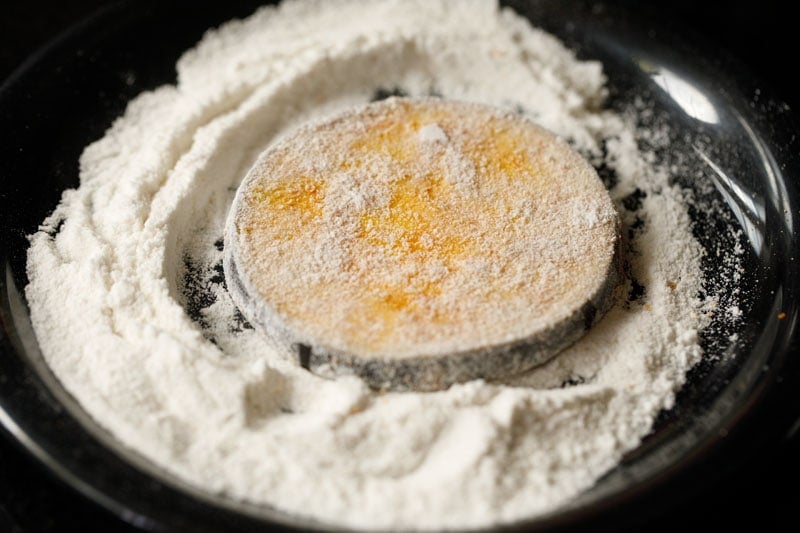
[132,314]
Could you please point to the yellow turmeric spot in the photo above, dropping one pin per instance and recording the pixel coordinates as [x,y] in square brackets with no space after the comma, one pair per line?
[302,195]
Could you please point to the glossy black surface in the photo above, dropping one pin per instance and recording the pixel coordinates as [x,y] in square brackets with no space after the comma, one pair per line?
[730,409]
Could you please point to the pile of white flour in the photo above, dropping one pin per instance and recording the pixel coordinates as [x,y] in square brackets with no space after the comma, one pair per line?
[132,314]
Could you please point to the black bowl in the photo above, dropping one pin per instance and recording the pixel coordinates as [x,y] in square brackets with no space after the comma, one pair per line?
[746,147]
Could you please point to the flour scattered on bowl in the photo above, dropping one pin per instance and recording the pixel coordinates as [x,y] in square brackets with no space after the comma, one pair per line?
[130,308]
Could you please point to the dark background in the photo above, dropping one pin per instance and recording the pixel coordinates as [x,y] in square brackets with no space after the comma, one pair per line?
[757,490]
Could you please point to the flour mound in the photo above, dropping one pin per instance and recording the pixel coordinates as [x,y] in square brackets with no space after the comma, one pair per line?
[159,356]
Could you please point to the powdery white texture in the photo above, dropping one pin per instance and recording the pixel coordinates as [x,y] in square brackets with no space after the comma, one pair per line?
[233,416]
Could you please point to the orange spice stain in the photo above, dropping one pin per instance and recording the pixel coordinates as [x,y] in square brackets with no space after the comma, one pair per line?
[419,225]
[501,152]
[388,304]
[419,220]
[396,135]
[303,195]
[296,202]
[427,219]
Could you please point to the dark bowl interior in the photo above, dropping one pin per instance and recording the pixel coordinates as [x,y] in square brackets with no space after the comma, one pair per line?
[743,144]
